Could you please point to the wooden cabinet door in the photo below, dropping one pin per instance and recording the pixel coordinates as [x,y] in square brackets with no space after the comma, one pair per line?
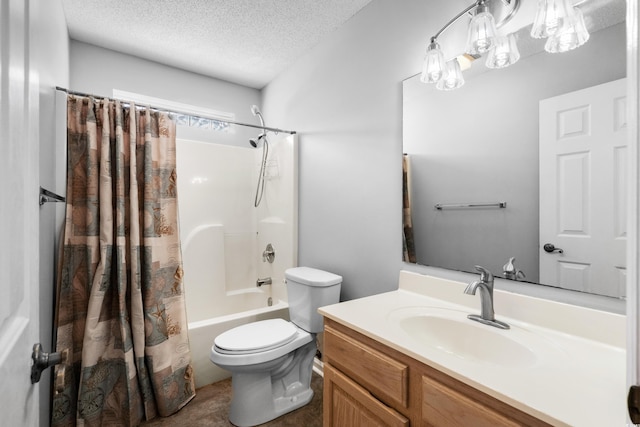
[346,404]
[384,376]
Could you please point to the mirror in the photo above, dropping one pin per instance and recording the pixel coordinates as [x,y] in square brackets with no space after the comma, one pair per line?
[480,145]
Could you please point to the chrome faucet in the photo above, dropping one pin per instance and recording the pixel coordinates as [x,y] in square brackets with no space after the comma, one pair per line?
[265,281]
[509,271]
[485,284]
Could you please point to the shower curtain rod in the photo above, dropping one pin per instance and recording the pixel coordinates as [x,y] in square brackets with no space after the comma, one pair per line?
[231,122]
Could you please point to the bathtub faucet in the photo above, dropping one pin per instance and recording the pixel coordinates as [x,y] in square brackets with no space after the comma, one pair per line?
[265,281]
[269,254]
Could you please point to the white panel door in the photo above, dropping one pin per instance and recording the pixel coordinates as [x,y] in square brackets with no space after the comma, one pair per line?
[19,212]
[583,151]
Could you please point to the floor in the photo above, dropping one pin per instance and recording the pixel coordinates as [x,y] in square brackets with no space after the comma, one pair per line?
[210,407]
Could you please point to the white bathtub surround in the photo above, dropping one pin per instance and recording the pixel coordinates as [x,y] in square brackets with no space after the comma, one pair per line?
[224,237]
[571,371]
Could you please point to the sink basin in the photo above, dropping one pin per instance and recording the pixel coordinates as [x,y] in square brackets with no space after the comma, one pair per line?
[451,332]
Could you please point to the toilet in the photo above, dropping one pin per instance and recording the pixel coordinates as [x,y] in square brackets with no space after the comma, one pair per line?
[271,360]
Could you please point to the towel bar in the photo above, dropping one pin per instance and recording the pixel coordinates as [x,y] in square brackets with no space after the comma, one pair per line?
[499,205]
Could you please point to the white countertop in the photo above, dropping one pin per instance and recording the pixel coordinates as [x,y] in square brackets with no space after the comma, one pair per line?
[576,378]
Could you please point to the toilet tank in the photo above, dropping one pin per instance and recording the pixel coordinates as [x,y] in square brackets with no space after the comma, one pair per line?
[309,289]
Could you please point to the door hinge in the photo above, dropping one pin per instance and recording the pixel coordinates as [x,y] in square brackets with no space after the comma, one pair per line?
[633,403]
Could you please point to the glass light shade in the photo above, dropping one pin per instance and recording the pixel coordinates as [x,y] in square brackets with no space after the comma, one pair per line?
[550,17]
[504,53]
[482,32]
[573,34]
[434,65]
[452,78]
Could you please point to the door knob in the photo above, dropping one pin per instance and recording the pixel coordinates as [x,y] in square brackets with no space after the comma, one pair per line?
[548,247]
[41,361]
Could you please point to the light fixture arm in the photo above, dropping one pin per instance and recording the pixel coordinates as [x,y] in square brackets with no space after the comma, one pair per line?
[515,5]
[455,18]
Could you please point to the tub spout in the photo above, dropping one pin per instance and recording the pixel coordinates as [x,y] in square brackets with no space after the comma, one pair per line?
[265,281]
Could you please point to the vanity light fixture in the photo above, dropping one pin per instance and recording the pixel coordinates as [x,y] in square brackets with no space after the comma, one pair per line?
[557,20]
[452,78]
[482,30]
[504,53]
[434,65]
[550,17]
[573,34]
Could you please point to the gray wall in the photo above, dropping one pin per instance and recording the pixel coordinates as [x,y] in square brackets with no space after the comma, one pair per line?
[345,99]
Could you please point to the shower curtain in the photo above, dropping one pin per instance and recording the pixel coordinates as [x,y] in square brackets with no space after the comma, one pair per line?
[408,244]
[120,315]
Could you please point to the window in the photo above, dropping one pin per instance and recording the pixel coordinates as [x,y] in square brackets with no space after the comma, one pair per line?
[184,114]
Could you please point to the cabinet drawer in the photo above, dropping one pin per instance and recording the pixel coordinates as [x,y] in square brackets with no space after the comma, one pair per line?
[346,404]
[383,376]
[443,406]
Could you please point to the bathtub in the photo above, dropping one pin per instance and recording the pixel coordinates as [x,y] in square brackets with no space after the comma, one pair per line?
[203,332]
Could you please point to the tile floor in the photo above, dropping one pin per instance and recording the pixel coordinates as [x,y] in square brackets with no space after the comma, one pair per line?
[211,405]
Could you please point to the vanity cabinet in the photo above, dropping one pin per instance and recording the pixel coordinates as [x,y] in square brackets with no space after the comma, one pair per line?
[367,383]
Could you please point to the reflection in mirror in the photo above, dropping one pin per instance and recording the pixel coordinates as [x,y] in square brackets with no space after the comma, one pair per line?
[481,145]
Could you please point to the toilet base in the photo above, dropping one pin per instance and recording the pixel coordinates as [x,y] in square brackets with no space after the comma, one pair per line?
[259,397]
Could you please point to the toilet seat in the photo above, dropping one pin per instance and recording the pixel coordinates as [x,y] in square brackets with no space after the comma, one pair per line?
[231,360]
[256,337]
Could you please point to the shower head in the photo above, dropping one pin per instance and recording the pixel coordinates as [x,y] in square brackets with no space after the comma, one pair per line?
[254,141]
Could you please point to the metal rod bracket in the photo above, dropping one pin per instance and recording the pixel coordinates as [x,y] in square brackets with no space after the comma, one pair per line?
[49,196]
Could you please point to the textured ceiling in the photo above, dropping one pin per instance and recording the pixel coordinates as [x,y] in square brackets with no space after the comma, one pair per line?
[248,42]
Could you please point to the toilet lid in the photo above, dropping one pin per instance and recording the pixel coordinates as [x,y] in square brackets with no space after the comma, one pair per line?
[257,336]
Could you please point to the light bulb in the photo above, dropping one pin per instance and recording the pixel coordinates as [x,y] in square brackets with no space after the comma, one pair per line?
[452,78]
[504,53]
[573,34]
[434,65]
[550,17]
[482,31]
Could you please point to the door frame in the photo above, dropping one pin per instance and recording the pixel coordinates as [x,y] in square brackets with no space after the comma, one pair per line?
[633,248]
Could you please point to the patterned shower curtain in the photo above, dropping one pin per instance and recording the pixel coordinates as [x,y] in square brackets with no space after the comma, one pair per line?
[120,316]
[408,243]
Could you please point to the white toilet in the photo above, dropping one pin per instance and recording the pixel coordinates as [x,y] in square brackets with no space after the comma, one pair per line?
[271,360]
